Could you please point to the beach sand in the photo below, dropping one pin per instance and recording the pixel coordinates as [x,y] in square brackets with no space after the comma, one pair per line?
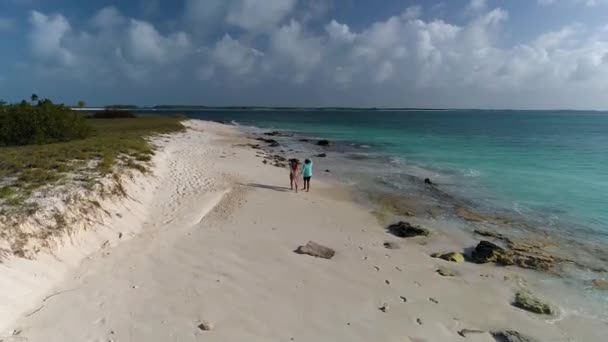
[216,246]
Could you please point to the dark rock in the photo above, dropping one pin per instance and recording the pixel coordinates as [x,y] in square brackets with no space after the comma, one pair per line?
[486,252]
[265,161]
[446,272]
[275,134]
[205,326]
[406,230]
[391,245]
[279,158]
[323,143]
[427,181]
[384,308]
[322,155]
[526,301]
[510,336]
[304,140]
[466,332]
[316,250]
[275,144]
[327,171]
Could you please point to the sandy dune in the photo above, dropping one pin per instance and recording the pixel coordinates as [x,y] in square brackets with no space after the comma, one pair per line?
[217,246]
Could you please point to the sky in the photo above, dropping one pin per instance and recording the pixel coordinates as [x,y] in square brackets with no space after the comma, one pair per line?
[517,54]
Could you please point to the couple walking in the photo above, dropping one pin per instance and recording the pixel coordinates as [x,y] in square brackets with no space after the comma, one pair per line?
[295,170]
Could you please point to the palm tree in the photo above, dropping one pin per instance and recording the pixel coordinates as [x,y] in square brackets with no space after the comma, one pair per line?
[81,104]
[34,98]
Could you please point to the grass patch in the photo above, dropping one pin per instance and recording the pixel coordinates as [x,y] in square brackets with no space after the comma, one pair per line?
[33,166]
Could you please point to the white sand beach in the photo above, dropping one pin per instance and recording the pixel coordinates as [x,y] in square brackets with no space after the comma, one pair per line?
[210,238]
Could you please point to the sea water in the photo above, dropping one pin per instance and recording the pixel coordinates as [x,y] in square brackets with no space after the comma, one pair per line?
[551,166]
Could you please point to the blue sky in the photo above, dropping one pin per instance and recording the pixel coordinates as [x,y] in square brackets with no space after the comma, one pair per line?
[456,53]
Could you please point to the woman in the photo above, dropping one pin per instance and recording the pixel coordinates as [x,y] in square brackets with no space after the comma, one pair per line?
[294,166]
[307,174]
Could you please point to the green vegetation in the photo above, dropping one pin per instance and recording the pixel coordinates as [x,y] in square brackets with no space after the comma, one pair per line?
[102,145]
[41,122]
[113,114]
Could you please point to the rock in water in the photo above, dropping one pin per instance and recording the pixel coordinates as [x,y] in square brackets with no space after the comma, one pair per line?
[526,301]
[600,284]
[428,181]
[510,336]
[316,250]
[406,230]
[391,245]
[453,256]
[486,252]
[323,143]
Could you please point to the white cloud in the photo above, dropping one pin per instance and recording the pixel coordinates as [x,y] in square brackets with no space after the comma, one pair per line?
[476,6]
[46,38]
[399,61]
[235,57]
[146,44]
[412,12]
[254,15]
[295,49]
[108,17]
[250,15]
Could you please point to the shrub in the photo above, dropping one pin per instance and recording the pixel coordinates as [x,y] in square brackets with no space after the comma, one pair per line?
[44,123]
[113,114]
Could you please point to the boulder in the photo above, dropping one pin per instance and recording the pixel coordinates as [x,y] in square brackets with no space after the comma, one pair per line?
[486,252]
[428,181]
[452,256]
[303,140]
[526,301]
[316,250]
[322,155]
[510,336]
[406,230]
[323,143]
[327,171]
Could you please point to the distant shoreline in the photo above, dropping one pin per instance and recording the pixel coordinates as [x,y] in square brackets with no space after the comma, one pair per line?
[161,109]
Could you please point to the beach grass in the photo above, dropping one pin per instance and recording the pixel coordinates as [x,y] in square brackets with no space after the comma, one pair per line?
[113,142]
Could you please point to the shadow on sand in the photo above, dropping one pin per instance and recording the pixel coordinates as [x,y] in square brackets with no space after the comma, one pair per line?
[267,187]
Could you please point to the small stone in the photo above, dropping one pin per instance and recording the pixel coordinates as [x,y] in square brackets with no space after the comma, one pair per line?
[452,256]
[120,235]
[16,332]
[323,143]
[446,272]
[434,300]
[206,326]
[419,321]
[387,282]
[316,250]
[526,301]
[384,308]
[428,181]
[403,299]
[391,245]
[322,155]
[377,268]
